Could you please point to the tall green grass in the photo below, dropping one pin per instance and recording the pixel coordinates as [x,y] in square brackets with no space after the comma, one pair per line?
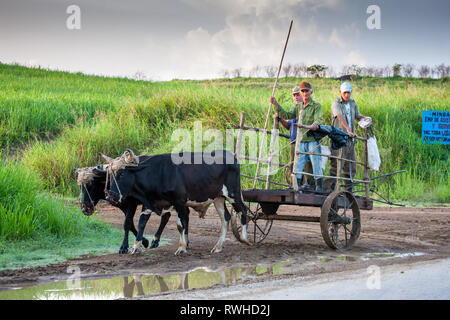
[142,116]
[26,212]
[37,228]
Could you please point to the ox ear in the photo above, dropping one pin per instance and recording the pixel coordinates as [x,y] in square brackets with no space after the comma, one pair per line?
[106,158]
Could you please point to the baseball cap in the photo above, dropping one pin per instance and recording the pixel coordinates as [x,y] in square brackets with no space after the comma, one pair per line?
[296,89]
[305,85]
[346,87]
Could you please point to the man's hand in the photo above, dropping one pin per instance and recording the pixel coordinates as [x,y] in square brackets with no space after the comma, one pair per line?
[314,126]
[274,101]
[351,134]
[276,116]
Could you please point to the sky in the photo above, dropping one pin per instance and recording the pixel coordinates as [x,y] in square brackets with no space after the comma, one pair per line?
[198,39]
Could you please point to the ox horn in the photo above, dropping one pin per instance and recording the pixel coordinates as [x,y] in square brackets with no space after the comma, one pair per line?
[130,157]
[106,158]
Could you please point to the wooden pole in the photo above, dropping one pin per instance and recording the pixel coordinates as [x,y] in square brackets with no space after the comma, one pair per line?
[272,143]
[270,106]
[239,137]
[366,171]
[297,150]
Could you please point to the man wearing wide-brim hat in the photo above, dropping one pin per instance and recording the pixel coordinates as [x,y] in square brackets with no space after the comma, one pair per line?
[309,112]
[344,111]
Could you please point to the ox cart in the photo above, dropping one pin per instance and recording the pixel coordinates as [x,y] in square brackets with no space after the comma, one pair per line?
[339,218]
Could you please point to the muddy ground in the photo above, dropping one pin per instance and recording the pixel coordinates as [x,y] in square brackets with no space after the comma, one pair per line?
[384,230]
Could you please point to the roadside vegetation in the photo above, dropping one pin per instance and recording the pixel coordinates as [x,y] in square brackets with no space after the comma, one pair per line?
[52,122]
[36,227]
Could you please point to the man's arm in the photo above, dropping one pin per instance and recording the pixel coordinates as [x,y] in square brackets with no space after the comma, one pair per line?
[283,122]
[344,123]
[318,117]
[335,112]
[281,112]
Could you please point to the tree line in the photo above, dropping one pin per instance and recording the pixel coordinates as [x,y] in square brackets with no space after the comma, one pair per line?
[301,70]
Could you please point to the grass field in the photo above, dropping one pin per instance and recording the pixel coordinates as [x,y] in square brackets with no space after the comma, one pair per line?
[56,121]
[52,122]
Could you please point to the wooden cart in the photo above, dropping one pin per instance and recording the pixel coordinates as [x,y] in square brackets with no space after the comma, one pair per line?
[339,218]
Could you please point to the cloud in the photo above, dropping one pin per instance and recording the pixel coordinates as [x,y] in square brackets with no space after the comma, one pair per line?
[254,33]
[355,57]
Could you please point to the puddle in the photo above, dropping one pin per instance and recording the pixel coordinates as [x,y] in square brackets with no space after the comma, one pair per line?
[387,255]
[144,284]
[137,285]
[340,258]
[368,256]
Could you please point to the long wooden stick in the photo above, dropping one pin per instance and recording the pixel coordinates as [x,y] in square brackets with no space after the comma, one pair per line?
[270,106]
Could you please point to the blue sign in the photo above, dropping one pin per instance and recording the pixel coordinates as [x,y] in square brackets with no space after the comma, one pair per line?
[436,127]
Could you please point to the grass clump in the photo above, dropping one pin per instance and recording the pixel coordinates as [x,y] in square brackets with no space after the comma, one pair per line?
[37,228]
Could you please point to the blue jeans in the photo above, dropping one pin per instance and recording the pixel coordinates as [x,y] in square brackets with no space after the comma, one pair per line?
[313,147]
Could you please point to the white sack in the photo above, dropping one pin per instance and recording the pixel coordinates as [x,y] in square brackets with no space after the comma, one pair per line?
[324,160]
[373,154]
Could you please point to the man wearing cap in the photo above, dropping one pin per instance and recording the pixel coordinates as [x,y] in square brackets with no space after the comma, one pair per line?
[344,111]
[288,124]
[309,113]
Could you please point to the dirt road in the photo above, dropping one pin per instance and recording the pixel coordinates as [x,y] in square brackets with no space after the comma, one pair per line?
[388,236]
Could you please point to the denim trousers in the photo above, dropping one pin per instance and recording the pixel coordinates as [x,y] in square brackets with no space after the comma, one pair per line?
[313,147]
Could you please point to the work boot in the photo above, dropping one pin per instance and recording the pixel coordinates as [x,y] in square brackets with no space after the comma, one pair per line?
[333,185]
[319,185]
[299,183]
[305,186]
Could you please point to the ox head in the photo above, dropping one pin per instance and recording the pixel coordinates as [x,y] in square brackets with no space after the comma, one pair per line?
[92,184]
[120,180]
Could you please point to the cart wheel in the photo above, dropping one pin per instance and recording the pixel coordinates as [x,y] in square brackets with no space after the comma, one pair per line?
[340,221]
[257,228]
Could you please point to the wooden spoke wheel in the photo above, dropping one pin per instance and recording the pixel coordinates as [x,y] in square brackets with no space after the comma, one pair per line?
[340,220]
[257,228]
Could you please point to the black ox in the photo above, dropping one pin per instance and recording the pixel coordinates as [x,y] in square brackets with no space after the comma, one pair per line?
[92,181]
[190,179]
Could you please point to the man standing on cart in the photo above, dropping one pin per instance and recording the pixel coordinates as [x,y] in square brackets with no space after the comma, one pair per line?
[287,120]
[309,113]
[344,111]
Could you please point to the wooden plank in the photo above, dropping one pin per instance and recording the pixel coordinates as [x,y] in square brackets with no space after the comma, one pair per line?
[290,197]
[289,218]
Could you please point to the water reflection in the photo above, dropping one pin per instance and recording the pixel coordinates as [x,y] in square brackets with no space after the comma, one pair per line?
[140,284]
[146,284]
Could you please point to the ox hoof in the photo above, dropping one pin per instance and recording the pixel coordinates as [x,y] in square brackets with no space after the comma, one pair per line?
[136,251]
[216,250]
[155,244]
[123,250]
[137,247]
[246,242]
[180,252]
[145,242]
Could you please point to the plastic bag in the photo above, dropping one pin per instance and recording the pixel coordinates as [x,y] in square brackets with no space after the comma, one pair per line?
[365,122]
[373,154]
[324,160]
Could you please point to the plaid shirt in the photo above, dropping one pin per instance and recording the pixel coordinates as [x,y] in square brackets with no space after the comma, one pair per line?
[311,113]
